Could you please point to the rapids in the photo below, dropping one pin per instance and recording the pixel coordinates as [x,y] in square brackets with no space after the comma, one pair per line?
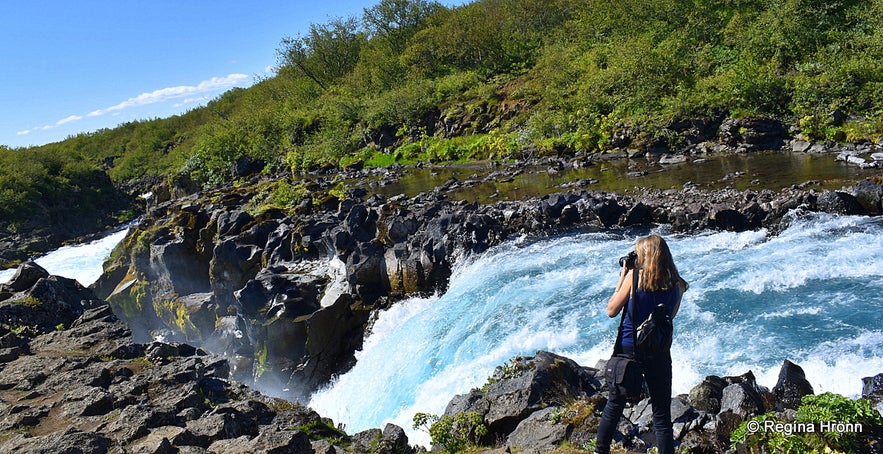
[811,294]
[80,261]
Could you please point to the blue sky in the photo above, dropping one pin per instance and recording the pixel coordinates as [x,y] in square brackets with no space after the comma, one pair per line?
[76,66]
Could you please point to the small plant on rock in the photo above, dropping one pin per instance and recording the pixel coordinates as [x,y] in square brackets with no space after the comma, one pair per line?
[824,423]
[507,371]
[455,433]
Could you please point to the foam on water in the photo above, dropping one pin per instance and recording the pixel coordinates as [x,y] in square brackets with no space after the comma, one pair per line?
[810,294]
[81,262]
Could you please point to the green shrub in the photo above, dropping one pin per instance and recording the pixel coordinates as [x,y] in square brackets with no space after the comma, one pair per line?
[452,433]
[405,105]
[280,194]
[824,423]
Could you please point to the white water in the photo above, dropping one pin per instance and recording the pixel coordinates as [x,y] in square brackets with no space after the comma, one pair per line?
[81,262]
[811,294]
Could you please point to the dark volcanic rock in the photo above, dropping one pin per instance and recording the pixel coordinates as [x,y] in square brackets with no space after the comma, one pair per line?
[89,388]
[753,133]
[707,395]
[869,195]
[725,403]
[792,385]
[872,389]
[538,432]
[290,293]
[42,302]
[523,387]
[26,276]
[838,202]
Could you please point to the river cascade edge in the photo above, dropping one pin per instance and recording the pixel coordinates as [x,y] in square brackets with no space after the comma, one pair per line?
[259,289]
[85,385]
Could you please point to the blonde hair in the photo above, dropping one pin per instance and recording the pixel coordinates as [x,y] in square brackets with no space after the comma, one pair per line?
[658,270]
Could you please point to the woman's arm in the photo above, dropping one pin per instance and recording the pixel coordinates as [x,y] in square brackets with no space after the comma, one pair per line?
[682,287]
[621,294]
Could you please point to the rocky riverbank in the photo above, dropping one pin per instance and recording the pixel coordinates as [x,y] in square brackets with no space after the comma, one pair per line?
[72,379]
[541,403]
[284,294]
[287,293]
[696,138]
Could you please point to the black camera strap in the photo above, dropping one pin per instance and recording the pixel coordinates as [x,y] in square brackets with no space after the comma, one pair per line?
[633,300]
[617,346]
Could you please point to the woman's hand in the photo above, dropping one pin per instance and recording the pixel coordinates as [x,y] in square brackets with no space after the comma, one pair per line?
[621,295]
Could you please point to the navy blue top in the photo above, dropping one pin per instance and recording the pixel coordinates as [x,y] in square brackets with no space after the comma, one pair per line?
[645,304]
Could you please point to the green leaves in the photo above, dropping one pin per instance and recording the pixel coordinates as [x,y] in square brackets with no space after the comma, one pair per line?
[326,52]
[453,433]
[584,72]
[824,423]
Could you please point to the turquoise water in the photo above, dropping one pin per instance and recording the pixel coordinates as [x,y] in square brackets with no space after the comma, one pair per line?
[812,294]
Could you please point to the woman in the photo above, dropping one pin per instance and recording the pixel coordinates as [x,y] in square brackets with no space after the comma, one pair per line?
[658,283]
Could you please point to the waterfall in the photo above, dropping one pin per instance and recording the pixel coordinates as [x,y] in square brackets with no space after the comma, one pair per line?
[81,261]
[811,294]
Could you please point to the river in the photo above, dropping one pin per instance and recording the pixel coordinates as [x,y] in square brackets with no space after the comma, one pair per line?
[80,261]
[811,294]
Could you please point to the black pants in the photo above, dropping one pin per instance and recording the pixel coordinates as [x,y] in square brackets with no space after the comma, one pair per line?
[657,373]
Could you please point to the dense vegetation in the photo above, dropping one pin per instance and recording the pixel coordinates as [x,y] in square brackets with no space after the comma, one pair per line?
[413,80]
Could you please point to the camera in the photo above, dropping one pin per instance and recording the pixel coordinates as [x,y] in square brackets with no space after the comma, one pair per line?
[629,260]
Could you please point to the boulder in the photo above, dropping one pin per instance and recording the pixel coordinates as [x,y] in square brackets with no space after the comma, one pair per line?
[741,400]
[277,293]
[393,440]
[838,202]
[706,396]
[609,212]
[730,220]
[872,389]
[27,274]
[44,302]
[638,214]
[525,386]
[791,386]
[800,146]
[538,432]
[366,440]
[753,133]
[245,166]
[869,195]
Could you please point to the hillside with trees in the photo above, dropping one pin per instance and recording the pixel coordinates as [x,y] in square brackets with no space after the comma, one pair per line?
[412,80]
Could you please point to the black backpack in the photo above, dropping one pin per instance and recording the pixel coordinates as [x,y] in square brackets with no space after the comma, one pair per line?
[654,334]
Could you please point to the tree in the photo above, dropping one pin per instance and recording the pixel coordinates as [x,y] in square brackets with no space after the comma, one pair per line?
[396,21]
[326,53]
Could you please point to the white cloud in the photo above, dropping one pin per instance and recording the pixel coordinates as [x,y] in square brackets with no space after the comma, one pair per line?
[187,101]
[164,94]
[68,119]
